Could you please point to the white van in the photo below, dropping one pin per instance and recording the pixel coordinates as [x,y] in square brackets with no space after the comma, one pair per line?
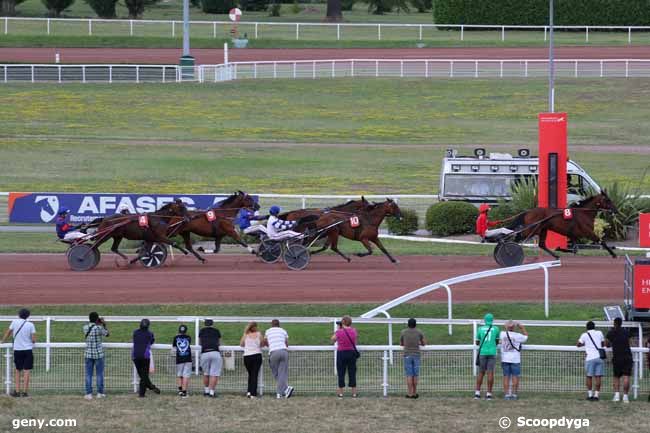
[486,178]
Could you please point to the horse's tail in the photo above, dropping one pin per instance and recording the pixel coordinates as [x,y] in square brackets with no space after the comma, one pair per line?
[517,224]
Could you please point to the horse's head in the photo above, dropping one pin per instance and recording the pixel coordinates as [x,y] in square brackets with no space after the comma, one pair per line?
[603,202]
[175,208]
[391,208]
[246,201]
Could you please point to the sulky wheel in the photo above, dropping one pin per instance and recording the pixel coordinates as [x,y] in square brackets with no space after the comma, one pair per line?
[152,255]
[82,257]
[269,251]
[509,254]
[495,254]
[296,257]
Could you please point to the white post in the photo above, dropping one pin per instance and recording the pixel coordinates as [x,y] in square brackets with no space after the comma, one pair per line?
[474,350]
[163,74]
[526,68]
[32,69]
[635,382]
[376,68]
[137,80]
[379,32]
[135,380]
[352,68]
[385,377]
[59,71]
[338,32]
[196,336]
[90,27]
[313,69]
[420,31]
[426,69]
[333,70]
[130,27]
[390,337]
[47,319]
[254,70]
[256,30]
[294,70]
[640,348]
[8,370]
[576,70]
[173,29]
[451,69]
[629,35]
[225,53]
[544,33]
[587,34]
[110,74]
[297,31]
[476,69]
[83,74]
[48,26]
[449,307]
[5,72]
[401,68]
[275,70]
[627,68]
[214,30]
[462,33]
[503,33]
[501,69]
[6,25]
[545,291]
[601,69]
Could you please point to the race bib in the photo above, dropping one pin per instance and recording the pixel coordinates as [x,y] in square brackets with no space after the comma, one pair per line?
[143,221]
[210,216]
[567,214]
[354,221]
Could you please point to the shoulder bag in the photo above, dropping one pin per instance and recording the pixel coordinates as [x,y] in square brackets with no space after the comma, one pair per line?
[512,344]
[357,354]
[16,333]
[601,352]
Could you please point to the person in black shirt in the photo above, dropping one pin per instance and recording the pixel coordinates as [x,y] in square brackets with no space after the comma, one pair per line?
[182,347]
[618,338]
[143,339]
[211,361]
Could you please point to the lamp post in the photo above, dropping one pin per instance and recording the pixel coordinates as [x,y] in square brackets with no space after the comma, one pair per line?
[187,61]
[551,61]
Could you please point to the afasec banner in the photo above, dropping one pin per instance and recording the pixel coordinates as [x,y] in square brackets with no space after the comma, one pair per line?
[42,207]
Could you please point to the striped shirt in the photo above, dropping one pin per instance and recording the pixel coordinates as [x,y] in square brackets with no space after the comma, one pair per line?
[275,225]
[277,338]
[94,337]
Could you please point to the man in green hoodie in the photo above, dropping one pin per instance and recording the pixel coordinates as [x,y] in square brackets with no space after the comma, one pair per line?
[487,340]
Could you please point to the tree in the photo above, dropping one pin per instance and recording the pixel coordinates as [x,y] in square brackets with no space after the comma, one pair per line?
[103,8]
[334,11]
[217,6]
[422,5]
[380,7]
[136,7]
[55,7]
[254,5]
[8,7]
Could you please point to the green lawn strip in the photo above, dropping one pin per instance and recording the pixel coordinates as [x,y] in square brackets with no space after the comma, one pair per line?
[234,414]
[318,334]
[177,139]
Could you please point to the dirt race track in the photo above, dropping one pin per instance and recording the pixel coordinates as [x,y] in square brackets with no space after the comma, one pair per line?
[46,279]
[215,56]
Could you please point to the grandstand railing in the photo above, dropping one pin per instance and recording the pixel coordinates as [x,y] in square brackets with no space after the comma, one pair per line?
[292,30]
[546,368]
[312,370]
[425,68]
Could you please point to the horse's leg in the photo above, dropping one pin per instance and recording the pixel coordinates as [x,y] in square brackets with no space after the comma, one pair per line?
[377,242]
[333,241]
[187,239]
[366,244]
[542,243]
[217,244]
[115,246]
[608,248]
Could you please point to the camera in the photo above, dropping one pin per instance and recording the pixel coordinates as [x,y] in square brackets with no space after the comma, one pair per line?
[100,321]
[339,323]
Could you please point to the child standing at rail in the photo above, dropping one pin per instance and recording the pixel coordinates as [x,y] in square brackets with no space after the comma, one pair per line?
[182,346]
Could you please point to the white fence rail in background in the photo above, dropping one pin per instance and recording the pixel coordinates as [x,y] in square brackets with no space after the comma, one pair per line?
[98,73]
[426,68]
[293,30]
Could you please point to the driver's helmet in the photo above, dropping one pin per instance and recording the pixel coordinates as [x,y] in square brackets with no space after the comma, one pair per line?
[484,208]
[275,210]
[64,210]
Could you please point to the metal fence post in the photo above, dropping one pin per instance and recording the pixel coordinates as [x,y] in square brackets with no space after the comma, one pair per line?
[575,73]
[303,203]
[462,33]
[333,70]
[32,69]
[6,25]
[627,68]
[526,68]
[352,68]
[401,68]
[501,69]
[297,31]
[474,350]
[294,70]
[338,32]
[503,33]
[110,73]
[48,321]
[5,72]
[130,27]
[256,30]
[601,69]
[8,370]
[137,73]
[426,69]
[587,34]
[544,33]
[136,380]
[83,74]
[48,26]
[476,69]
[59,67]
[173,29]
[385,376]
[629,35]
[451,69]
[640,348]
[196,333]
[214,30]
[379,32]
[376,68]
[420,31]
[90,27]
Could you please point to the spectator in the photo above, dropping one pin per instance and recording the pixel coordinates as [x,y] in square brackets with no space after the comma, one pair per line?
[511,357]
[592,341]
[143,339]
[211,362]
[24,335]
[411,339]
[251,341]
[277,340]
[346,355]
[182,346]
[487,340]
[95,331]
[618,338]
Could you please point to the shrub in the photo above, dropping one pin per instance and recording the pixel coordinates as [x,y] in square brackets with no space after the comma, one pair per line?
[406,226]
[217,6]
[451,218]
[275,10]
[295,7]
[628,204]
[347,5]
[379,7]
[422,5]
[255,5]
[55,7]
[103,8]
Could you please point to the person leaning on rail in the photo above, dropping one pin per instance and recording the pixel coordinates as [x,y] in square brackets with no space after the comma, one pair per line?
[511,342]
[24,336]
[143,339]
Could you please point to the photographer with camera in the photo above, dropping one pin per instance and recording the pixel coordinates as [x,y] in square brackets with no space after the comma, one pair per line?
[95,331]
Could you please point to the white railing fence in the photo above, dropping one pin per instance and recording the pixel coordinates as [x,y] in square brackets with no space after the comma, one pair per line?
[425,68]
[98,73]
[546,368]
[310,30]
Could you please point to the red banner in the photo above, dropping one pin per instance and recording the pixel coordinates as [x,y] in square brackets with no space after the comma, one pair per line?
[641,286]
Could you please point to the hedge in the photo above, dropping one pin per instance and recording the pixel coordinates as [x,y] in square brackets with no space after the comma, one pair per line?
[405,226]
[535,12]
[451,218]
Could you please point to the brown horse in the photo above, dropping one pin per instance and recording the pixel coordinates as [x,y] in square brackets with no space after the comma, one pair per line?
[363,226]
[222,225]
[347,208]
[131,227]
[576,222]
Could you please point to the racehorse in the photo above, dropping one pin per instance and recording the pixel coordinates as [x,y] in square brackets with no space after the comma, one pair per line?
[363,226]
[149,227]
[222,225]
[347,208]
[575,223]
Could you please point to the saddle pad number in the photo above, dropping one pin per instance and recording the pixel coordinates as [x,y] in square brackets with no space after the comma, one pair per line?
[354,221]
[210,216]
[567,214]
[143,221]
